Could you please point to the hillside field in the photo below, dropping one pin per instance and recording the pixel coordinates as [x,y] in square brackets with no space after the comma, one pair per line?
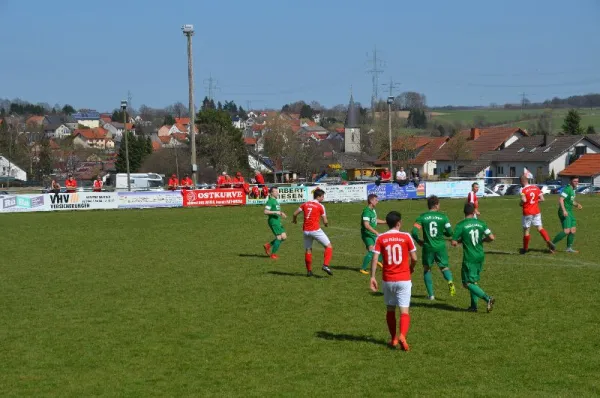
[183,302]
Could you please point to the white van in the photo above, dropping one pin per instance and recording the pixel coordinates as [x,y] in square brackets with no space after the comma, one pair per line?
[139,181]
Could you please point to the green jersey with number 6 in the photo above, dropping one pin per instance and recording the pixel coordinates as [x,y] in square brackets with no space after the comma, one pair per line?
[435,226]
[472,232]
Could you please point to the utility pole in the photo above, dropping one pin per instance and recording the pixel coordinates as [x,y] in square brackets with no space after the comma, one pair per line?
[375,71]
[390,101]
[126,133]
[523,98]
[188,30]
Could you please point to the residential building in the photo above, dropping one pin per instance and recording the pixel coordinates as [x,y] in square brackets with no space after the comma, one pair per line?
[468,146]
[415,152]
[58,126]
[34,121]
[238,122]
[587,168]
[87,117]
[9,170]
[96,138]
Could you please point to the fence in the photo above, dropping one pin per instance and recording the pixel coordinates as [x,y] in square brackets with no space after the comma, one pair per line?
[225,197]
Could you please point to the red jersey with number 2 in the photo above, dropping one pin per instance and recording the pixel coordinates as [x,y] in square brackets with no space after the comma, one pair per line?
[395,248]
[313,210]
[531,196]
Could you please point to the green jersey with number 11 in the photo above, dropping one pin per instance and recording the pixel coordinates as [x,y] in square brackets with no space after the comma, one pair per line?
[435,226]
[471,232]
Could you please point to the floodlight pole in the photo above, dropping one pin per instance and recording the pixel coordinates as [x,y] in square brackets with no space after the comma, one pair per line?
[188,31]
[390,100]
[124,109]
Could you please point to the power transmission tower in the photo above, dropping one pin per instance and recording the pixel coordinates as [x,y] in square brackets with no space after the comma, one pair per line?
[375,71]
[523,99]
[211,87]
[391,86]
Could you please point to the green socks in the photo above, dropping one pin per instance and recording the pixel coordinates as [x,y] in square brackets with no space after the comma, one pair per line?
[275,246]
[428,278]
[367,261]
[473,300]
[560,236]
[570,240]
[447,275]
[477,292]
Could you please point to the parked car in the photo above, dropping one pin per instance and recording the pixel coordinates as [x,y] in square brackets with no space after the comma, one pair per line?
[501,188]
[487,192]
[513,189]
[553,182]
[585,190]
[547,189]
[557,190]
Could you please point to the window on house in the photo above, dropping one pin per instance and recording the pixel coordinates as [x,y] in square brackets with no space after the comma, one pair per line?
[521,150]
[500,170]
[547,150]
[580,150]
[532,149]
[435,171]
[513,172]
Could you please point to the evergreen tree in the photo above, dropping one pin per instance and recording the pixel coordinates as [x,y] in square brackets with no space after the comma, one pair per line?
[118,115]
[138,150]
[68,109]
[45,161]
[417,119]
[590,130]
[148,146]
[306,112]
[169,120]
[219,106]
[572,123]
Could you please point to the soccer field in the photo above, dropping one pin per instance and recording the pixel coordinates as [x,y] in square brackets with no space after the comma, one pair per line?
[183,302]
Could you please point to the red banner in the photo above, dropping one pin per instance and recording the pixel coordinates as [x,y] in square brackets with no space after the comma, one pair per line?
[213,197]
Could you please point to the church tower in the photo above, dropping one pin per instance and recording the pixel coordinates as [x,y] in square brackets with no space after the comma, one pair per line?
[351,129]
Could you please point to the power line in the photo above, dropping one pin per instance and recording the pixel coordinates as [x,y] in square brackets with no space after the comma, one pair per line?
[212,87]
[375,71]
[391,86]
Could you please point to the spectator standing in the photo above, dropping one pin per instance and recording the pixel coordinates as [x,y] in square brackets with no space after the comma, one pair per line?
[173,183]
[71,184]
[260,180]
[221,180]
[98,184]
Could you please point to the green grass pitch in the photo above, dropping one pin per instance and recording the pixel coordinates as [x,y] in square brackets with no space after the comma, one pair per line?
[182,302]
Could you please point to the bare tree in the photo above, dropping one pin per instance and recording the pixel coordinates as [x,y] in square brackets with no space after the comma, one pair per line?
[458,150]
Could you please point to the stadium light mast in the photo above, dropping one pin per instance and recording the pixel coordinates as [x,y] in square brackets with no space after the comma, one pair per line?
[124,109]
[188,31]
[390,101]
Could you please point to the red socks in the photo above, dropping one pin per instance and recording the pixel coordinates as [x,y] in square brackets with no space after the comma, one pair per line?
[328,254]
[308,261]
[526,240]
[545,235]
[390,317]
[404,324]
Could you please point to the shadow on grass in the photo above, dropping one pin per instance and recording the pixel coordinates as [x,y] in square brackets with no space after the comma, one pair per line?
[350,337]
[254,255]
[376,294]
[279,273]
[344,268]
[501,253]
[437,306]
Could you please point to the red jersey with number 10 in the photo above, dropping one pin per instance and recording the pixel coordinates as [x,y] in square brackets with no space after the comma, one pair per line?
[531,195]
[313,210]
[395,248]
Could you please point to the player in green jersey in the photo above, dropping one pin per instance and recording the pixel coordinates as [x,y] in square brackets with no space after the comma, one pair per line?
[274,213]
[472,232]
[435,227]
[566,201]
[368,233]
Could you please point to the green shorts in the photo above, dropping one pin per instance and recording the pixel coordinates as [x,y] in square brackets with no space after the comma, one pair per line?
[439,257]
[568,221]
[368,240]
[470,272]
[276,228]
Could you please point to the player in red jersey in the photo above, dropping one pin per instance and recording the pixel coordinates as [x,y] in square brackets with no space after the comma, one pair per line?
[314,211]
[472,198]
[531,195]
[399,259]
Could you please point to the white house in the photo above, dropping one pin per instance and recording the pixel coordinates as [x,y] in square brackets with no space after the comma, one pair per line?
[88,118]
[238,123]
[9,169]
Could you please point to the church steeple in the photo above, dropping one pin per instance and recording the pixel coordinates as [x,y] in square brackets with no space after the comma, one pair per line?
[352,116]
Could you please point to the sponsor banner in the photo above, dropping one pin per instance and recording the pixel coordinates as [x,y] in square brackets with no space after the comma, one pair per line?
[342,193]
[394,191]
[214,197]
[82,201]
[286,195]
[144,200]
[453,189]
[23,203]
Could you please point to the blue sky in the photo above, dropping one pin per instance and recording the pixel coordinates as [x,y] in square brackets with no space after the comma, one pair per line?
[90,54]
